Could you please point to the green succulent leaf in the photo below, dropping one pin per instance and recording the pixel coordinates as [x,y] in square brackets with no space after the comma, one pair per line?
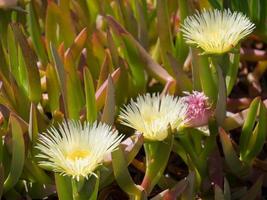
[33,124]
[156,163]
[220,111]
[35,33]
[248,127]
[105,70]
[122,174]
[60,74]
[18,154]
[165,35]
[102,91]
[39,174]
[216,3]
[31,64]
[91,112]
[258,135]
[53,88]
[231,158]
[231,74]
[109,108]
[144,60]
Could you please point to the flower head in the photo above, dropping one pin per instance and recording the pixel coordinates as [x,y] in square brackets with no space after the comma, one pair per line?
[199,110]
[76,150]
[216,31]
[152,114]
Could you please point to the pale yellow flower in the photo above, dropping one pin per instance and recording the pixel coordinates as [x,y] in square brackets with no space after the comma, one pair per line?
[216,31]
[76,150]
[152,115]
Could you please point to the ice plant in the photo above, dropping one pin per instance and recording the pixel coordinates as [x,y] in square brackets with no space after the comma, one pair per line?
[152,114]
[216,31]
[76,150]
[199,109]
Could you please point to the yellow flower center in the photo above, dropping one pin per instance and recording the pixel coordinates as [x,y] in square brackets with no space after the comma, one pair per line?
[77,154]
[149,118]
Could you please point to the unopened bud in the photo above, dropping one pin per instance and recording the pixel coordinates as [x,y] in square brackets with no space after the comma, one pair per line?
[199,110]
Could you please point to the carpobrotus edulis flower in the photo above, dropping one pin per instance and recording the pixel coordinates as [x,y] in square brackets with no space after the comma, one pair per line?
[199,109]
[216,31]
[76,150]
[152,115]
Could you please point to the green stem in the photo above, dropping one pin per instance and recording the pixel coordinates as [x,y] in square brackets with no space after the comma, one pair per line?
[75,192]
[196,65]
[207,80]
[221,63]
[232,72]
[63,185]
[76,188]
[156,162]
[188,146]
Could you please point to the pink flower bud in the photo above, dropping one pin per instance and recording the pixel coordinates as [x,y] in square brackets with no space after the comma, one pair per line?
[199,110]
[7,3]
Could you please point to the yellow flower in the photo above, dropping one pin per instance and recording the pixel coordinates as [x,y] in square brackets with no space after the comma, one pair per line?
[216,31]
[76,150]
[152,114]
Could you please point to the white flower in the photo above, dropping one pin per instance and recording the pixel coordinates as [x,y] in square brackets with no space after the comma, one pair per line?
[216,31]
[76,150]
[152,114]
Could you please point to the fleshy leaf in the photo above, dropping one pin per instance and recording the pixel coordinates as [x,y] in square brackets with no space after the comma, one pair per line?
[231,158]
[53,88]
[31,63]
[231,74]
[153,68]
[156,163]
[109,108]
[248,126]
[174,192]
[33,124]
[165,35]
[123,176]
[64,189]
[258,136]
[91,113]
[35,33]
[18,154]
[101,93]
[220,111]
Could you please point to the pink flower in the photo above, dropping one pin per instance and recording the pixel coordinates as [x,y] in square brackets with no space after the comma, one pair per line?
[199,110]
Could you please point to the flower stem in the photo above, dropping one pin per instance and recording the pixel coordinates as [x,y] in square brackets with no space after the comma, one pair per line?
[76,188]
[64,188]
[221,65]
[157,156]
